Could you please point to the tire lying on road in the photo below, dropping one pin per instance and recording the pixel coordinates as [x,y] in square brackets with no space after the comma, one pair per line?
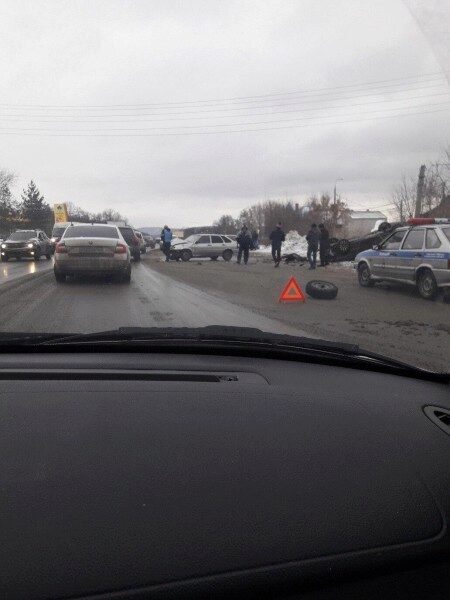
[323,290]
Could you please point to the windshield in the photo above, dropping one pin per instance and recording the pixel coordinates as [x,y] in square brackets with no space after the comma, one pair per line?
[272,154]
[91,231]
[22,236]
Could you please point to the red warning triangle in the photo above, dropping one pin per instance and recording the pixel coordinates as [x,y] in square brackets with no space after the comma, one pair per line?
[292,292]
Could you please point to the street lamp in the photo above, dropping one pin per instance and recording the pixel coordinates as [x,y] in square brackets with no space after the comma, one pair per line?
[334,194]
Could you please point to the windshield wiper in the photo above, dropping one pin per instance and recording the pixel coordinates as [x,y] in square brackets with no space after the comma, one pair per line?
[236,340]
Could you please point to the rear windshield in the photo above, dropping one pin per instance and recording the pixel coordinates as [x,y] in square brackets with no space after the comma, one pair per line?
[21,236]
[90,231]
[128,233]
[58,231]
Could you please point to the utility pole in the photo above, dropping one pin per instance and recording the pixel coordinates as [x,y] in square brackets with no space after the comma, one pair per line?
[334,191]
[420,190]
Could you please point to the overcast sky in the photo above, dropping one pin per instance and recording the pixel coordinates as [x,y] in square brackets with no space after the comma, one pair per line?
[180,111]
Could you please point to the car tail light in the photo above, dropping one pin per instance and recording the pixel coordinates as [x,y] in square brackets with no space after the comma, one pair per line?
[61,248]
[120,249]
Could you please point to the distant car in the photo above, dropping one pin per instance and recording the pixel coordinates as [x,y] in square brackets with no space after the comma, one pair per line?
[59,229]
[94,250]
[149,240]
[417,255]
[142,244]
[132,241]
[26,243]
[204,246]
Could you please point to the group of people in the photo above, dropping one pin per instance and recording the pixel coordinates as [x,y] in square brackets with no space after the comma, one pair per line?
[247,241]
[318,240]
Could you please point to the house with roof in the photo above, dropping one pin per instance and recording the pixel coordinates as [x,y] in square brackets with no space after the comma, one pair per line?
[361,222]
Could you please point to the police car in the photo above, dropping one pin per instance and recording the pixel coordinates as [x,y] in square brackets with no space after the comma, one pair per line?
[418,254]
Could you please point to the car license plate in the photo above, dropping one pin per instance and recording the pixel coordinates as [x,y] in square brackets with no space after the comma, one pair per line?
[91,251]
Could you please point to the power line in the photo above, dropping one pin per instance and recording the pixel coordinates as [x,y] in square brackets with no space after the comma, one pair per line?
[245,124]
[49,119]
[221,110]
[48,133]
[381,84]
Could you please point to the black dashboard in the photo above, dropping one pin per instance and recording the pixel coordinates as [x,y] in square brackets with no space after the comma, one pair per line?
[164,475]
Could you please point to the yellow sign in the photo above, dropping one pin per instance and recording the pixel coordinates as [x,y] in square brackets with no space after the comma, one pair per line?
[61,214]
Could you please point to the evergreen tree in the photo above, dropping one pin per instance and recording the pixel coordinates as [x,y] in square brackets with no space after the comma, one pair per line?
[35,209]
[8,207]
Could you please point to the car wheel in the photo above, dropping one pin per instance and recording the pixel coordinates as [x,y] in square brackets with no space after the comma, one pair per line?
[60,277]
[342,247]
[18,258]
[48,256]
[214,257]
[37,257]
[323,290]
[227,254]
[186,255]
[427,285]
[5,258]
[364,276]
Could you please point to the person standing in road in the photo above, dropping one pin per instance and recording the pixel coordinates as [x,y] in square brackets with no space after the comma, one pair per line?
[244,240]
[277,237]
[166,239]
[255,242]
[313,244]
[324,249]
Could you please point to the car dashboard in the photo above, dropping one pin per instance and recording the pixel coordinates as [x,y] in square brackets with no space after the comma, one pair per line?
[158,475]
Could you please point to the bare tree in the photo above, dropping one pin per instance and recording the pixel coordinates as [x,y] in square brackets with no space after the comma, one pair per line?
[226,224]
[404,198]
[436,188]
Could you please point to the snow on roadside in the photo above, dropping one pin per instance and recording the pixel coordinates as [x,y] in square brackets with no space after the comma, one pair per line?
[294,243]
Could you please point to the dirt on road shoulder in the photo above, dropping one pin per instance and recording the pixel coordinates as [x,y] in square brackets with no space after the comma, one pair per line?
[391,320]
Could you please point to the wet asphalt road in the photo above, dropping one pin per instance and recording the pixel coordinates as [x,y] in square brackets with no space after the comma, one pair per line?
[14,269]
[36,303]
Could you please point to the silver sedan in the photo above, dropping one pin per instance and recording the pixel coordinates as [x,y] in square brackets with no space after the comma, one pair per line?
[92,249]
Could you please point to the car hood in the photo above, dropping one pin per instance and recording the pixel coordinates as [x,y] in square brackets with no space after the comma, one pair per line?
[15,242]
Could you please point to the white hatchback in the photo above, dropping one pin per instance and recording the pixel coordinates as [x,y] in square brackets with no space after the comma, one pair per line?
[204,245]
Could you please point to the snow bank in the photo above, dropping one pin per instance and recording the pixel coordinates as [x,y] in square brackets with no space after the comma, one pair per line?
[294,243]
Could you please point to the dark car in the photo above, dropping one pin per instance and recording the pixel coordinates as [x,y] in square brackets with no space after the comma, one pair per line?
[149,240]
[133,242]
[27,243]
[347,249]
